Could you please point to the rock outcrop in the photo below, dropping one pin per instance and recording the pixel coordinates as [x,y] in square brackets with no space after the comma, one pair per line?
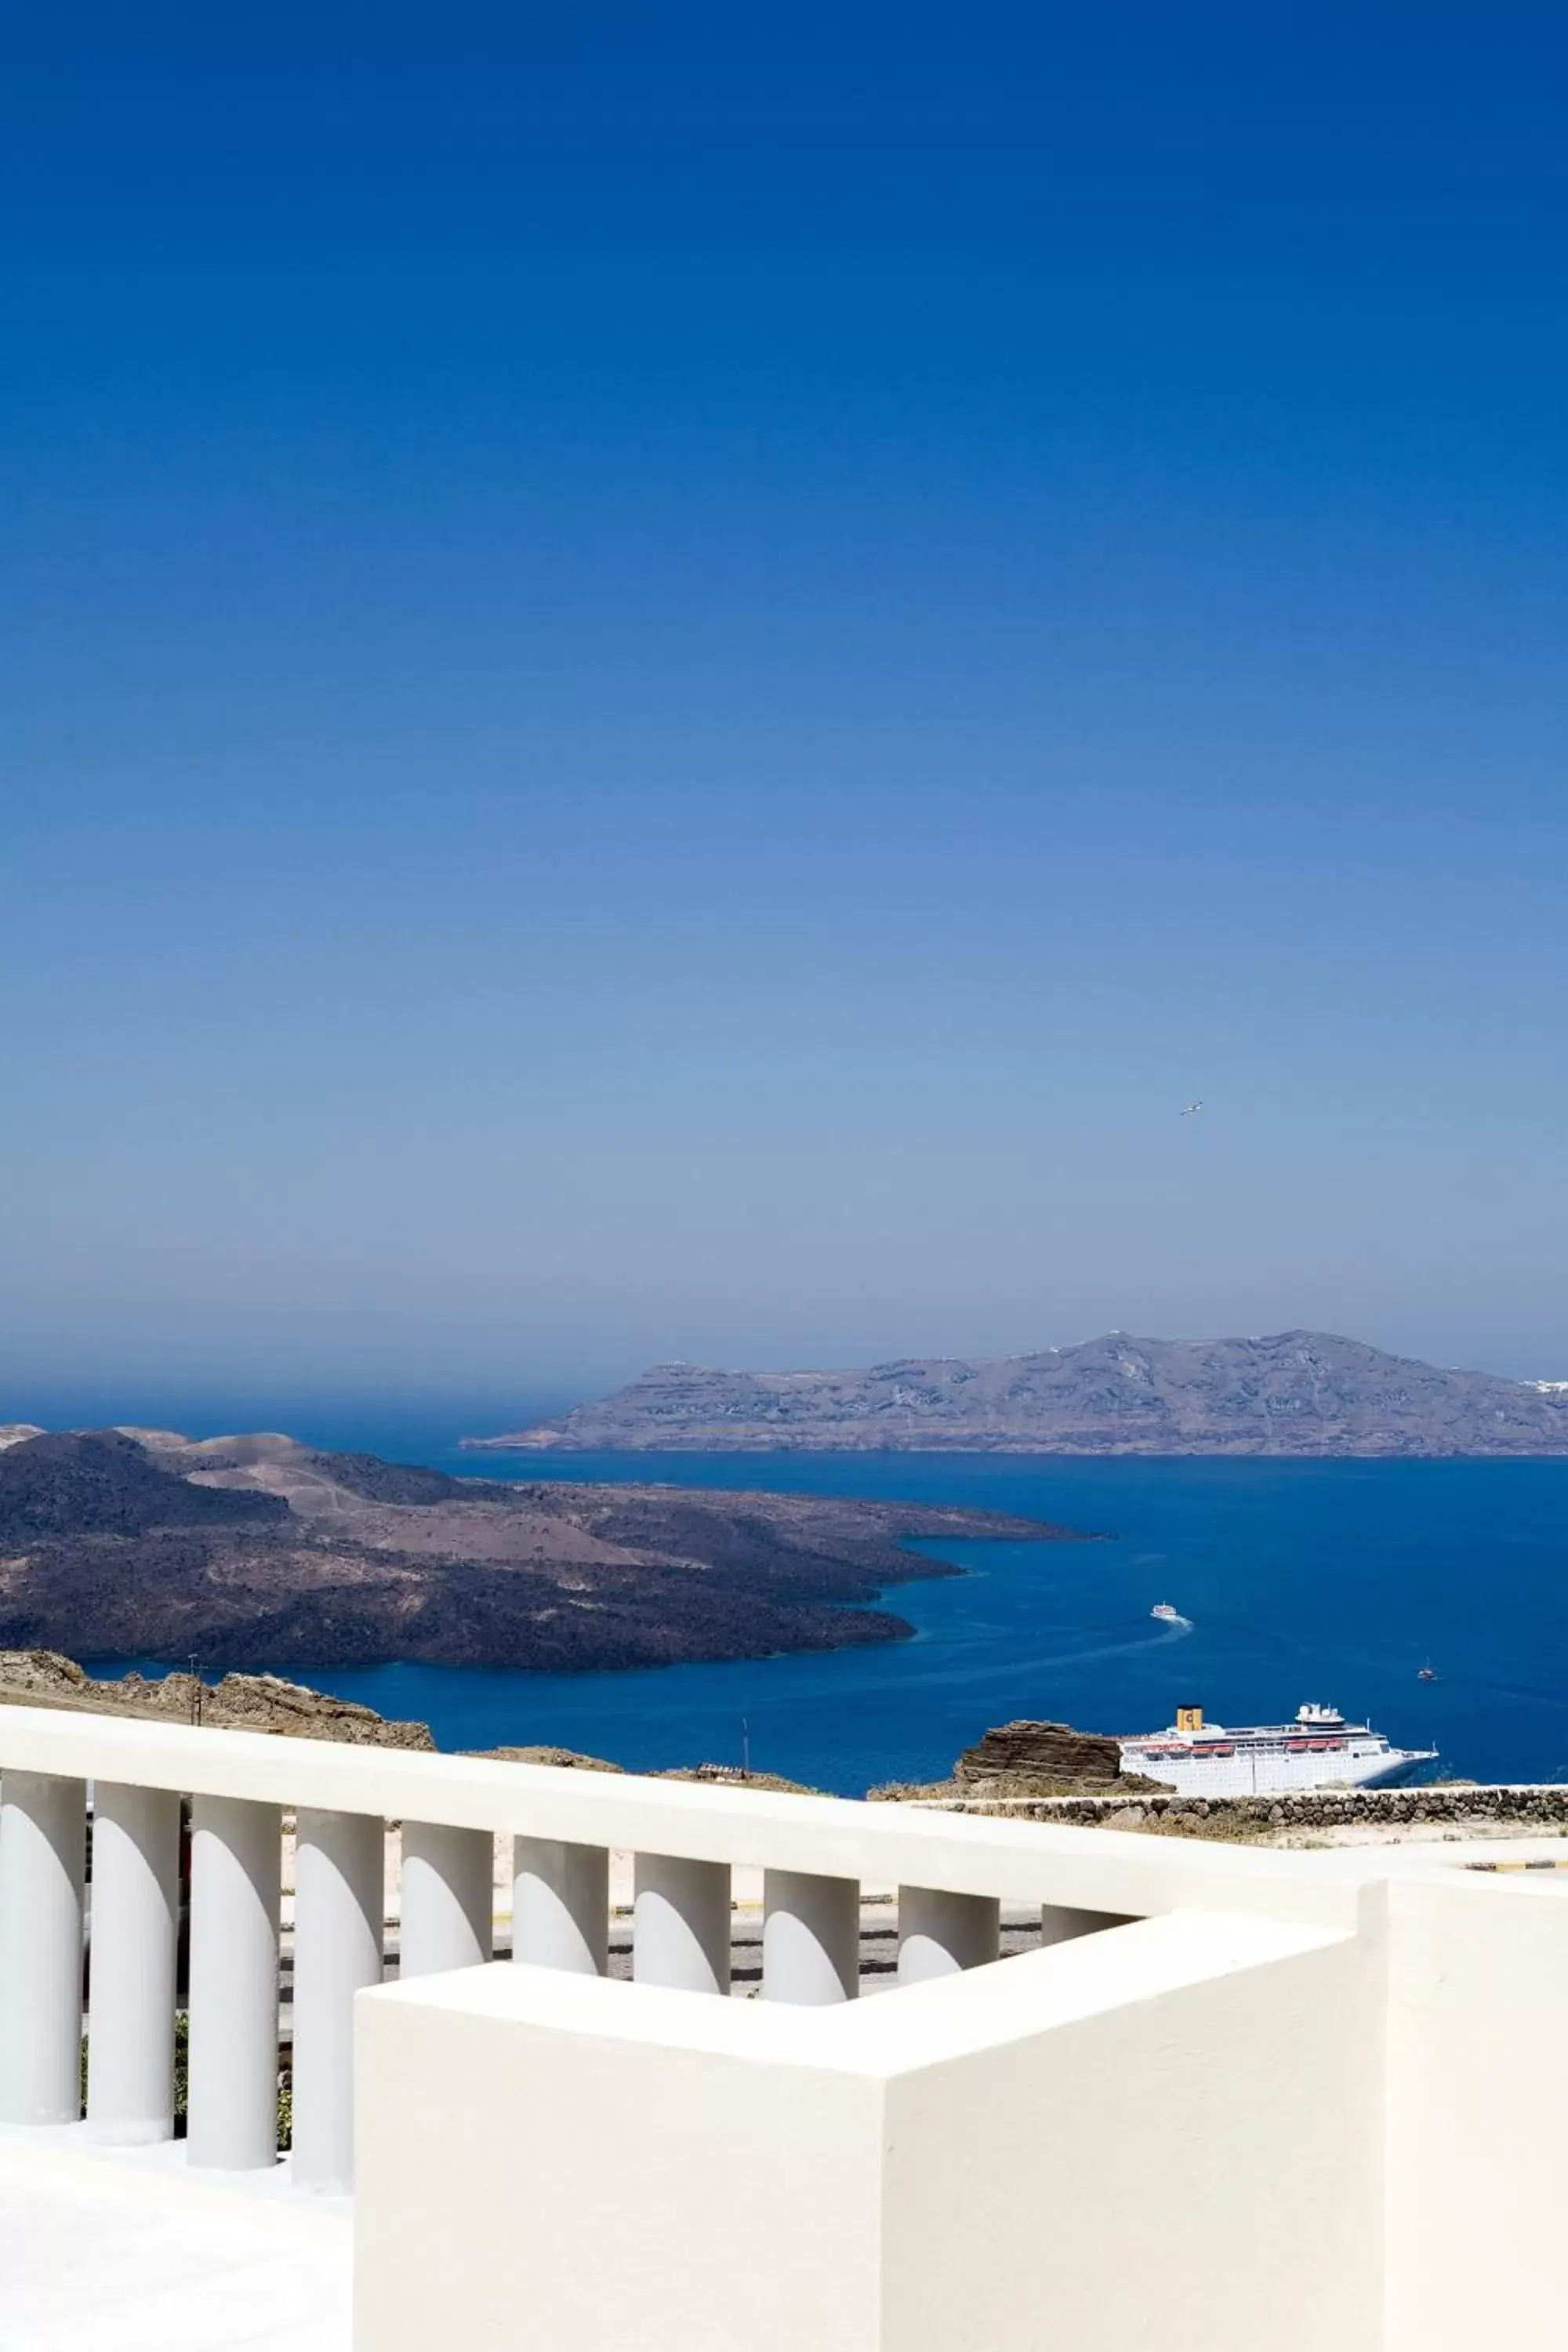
[1039,1752]
[238,1702]
[1023,1760]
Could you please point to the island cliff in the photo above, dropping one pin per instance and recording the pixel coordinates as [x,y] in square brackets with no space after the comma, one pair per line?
[1298,1392]
[248,1551]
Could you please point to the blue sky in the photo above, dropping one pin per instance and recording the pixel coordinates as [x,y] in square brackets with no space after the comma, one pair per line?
[668,679]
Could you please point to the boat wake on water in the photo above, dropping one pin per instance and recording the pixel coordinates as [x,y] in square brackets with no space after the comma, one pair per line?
[1046,1661]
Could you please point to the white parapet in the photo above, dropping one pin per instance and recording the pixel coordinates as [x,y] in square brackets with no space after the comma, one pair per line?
[881,1845]
[43,1846]
[947,2170]
[1476,2175]
[235,1875]
[135,1933]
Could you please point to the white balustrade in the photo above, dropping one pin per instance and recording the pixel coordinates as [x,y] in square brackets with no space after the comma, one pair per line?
[448,1900]
[236,1881]
[134,1929]
[339,1904]
[939,1932]
[592,2128]
[561,1905]
[681,1922]
[817,1853]
[43,1848]
[811,1938]
[686,1839]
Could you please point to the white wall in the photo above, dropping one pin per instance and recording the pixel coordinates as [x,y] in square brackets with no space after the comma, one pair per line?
[1175,2118]
[586,2167]
[1477,2114]
[1198,2167]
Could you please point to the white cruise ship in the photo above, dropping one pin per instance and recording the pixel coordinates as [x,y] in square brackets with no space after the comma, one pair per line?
[1318,1750]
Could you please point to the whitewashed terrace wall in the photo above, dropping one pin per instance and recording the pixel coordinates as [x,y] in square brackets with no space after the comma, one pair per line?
[1242,2093]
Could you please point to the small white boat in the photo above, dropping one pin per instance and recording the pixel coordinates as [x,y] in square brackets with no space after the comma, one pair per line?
[1167,1615]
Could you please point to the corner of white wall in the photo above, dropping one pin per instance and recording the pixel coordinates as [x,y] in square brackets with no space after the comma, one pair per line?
[1477,2113]
[948,2168]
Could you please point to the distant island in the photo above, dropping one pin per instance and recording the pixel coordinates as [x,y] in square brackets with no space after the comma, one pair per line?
[1295,1393]
[258,1551]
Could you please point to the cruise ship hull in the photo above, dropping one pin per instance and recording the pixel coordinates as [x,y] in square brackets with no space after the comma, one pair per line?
[1234,1767]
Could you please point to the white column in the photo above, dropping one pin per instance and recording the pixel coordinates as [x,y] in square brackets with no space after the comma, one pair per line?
[681,1922]
[561,1905]
[235,1862]
[1059,1922]
[42,1842]
[941,1933]
[339,1903]
[448,1900]
[134,1932]
[811,1938]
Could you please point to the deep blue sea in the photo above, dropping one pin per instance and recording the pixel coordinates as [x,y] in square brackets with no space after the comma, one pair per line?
[1325,1580]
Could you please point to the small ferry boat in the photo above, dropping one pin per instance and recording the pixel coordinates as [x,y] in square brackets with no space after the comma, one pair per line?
[1167,1615]
[1318,1750]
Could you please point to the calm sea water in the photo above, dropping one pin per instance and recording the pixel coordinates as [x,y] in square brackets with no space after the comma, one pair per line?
[1328,1581]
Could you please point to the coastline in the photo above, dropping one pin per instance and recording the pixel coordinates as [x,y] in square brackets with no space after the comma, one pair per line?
[251,1551]
[1296,1394]
[1274,1561]
[758,1443]
[854,1623]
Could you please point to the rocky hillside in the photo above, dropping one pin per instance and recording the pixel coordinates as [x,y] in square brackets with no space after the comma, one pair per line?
[256,1551]
[1298,1392]
[105,1483]
[238,1702]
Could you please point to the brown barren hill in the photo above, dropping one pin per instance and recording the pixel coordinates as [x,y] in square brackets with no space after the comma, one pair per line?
[257,1552]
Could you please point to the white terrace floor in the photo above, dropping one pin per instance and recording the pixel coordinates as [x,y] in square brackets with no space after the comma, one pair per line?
[129,2253]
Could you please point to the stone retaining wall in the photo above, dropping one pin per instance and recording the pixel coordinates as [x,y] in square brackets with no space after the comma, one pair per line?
[1532,1807]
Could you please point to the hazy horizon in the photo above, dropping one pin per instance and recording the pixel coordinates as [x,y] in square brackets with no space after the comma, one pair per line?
[667,689]
[344,1416]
